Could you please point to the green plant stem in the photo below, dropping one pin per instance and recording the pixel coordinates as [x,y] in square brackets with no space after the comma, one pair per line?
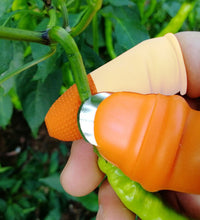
[150,10]
[108,37]
[92,8]
[64,13]
[52,17]
[177,21]
[7,75]
[61,36]
[76,7]
[23,35]
[95,33]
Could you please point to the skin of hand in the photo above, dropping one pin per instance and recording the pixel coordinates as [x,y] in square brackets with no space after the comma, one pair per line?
[81,174]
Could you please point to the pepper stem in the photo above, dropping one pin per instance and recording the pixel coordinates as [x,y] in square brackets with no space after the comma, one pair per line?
[61,36]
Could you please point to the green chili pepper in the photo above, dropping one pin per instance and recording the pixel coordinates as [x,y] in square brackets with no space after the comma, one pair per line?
[147,205]
[108,36]
[95,33]
[177,21]
[92,8]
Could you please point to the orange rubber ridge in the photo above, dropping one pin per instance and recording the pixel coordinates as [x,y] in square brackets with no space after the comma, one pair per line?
[61,119]
[153,139]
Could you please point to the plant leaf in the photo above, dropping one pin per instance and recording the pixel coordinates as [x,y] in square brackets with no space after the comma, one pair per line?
[37,96]
[121,3]
[2,205]
[90,201]
[53,162]
[128,30]
[17,61]
[49,65]
[5,5]
[53,182]
[10,213]
[6,56]
[6,110]
[53,215]
[7,183]
[4,169]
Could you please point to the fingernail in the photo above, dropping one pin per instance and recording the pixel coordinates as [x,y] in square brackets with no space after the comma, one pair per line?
[100,215]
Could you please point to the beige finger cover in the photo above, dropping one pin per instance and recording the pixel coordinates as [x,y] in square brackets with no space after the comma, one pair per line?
[153,66]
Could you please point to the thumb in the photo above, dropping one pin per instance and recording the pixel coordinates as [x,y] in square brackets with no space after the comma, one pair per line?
[189,42]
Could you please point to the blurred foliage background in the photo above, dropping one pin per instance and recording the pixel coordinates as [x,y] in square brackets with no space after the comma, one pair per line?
[30,161]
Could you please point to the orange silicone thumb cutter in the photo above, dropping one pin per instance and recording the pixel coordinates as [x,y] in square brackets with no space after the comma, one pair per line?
[153,139]
[153,66]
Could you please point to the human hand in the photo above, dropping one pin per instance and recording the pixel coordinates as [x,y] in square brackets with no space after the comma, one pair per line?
[82,175]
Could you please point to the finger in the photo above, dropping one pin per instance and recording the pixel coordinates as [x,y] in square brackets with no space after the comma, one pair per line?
[187,204]
[189,42]
[110,207]
[81,174]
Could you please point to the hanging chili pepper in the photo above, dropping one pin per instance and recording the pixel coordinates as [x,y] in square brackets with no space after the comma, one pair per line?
[177,21]
[148,206]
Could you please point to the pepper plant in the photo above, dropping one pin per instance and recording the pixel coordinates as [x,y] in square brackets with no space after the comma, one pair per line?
[46,46]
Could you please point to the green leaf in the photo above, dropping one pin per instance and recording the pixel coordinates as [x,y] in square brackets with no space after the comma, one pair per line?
[90,201]
[17,61]
[10,213]
[2,205]
[37,96]
[75,18]
[171,7]
[23,202]
[54,200]
[128,30]
[16,186]
[22,158]
[63,149]
[44,157]
[18,211]
[15,99]
[40,196]
[40,4]
[5,18]
[38,50]
[5,5]
[53,215]
[7,183]
[30,185]
[48,66]
[92,60]
[121,3]
[5,55]
[28,210]
[4,169]
[53,182]
[6,110]
[54,162]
